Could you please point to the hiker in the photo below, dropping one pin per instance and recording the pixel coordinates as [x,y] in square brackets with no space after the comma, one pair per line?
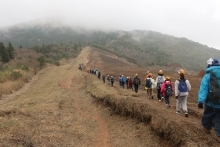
[127,82]
[159,80]
[103,78]
[80,67]
[99,74]
[149,84]
[148,72]
[136,82]
[167,90]
[112,81]
[182,86]
[129,86]
[119,80]
[108,79]
[123,81]
[209,93]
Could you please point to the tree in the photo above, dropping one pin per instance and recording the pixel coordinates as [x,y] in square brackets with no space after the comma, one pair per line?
[11,50]
[4,53]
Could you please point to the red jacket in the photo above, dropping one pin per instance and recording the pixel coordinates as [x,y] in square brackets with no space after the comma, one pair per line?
[162,90]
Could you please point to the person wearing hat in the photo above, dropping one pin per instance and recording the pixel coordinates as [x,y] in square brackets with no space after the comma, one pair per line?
[136,83]
[207,93]
[149,85]
[112,81]
[167,90]
[159,81]
[182,86]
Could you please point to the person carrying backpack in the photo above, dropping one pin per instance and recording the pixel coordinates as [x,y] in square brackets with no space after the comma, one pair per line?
[136,83]
[112,81]
[182,86]
[209,93]
[103,77]
[108,79]
[149,83]
[159,80]
[167,90]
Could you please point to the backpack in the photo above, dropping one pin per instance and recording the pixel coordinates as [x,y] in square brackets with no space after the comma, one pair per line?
[214,89]
[160,80]
[168,90]
[148,83]
[182,87]
[136,81]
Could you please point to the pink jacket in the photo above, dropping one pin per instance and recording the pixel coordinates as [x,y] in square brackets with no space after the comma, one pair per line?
[163,87]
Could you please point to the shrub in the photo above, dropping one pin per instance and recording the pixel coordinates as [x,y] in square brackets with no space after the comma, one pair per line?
[15,75]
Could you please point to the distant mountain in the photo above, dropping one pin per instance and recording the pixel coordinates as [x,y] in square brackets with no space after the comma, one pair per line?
[145,48]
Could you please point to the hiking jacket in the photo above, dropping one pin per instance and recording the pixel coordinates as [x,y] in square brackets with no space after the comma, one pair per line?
[138,80]
[204,87]
[163,86]
[178,93]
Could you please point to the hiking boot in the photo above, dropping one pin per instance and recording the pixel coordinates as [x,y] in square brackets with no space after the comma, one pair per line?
[152,97]
[177,112]
[207,131]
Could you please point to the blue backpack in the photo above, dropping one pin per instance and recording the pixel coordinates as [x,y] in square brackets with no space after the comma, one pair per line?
[182,87]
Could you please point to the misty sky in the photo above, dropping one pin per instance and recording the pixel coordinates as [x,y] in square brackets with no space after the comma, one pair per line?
[197,20]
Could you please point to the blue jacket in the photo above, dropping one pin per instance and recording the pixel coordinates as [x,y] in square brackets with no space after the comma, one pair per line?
[204,86]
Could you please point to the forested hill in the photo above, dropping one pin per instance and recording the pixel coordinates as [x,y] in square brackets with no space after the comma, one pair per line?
[145,48]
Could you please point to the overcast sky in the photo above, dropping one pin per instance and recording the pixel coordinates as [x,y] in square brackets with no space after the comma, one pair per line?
[197,20]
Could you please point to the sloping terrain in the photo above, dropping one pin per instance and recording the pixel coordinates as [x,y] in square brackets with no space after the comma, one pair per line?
[63,106]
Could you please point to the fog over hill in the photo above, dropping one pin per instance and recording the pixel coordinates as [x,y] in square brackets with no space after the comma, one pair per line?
[142,47]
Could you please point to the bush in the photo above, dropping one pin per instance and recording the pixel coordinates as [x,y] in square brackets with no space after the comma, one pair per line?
[24,67]
[15,75]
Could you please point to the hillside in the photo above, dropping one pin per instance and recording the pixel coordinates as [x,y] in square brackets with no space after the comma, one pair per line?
[75,108]
[144,48]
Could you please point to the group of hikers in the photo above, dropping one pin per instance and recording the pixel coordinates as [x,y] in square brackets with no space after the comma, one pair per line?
[208,95]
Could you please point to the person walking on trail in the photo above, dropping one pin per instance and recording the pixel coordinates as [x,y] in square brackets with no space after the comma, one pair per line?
[167,90]
[136,83]
[209,93]
[149,84]
[130,83]
[182,87]
[108,79]
[159,80]
[123,81]
[112,81]
[103,78]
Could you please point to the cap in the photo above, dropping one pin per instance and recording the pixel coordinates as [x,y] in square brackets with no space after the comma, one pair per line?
[167,78]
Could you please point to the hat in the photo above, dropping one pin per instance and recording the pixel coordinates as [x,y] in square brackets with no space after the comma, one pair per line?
[160,72]
[212,62]
[136,74]
[167,78]
[181,71]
